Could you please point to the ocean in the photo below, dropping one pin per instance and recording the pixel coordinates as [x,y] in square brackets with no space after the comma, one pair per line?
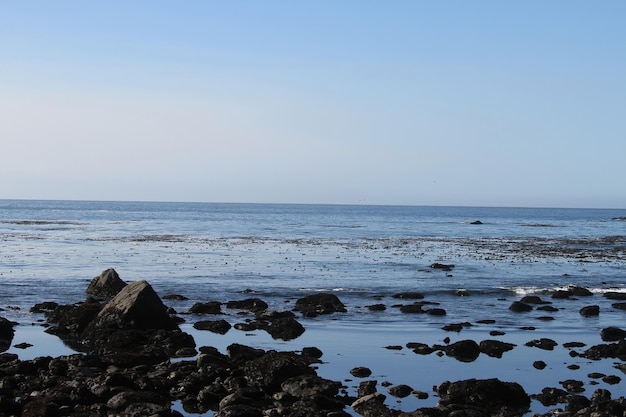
[50,251]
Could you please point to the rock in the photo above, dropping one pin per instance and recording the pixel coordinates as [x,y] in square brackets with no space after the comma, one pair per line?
[579,291]
[520,307]
[543,343]
[45,307]
[106,285]
[361,372]
[175,297]
[610,350]
[495,348]
[611,379]
[271,369]
[284,328]
[614,295]
[420,348]
[590,311]
[572,385]
[539,365]
[400,391]
[372,405]
[550,309]
[562,294]
[551,396]
[377,307]
[415,308]
[409,295]
[215,326]
[250,304]
[317,304]
[533,299]
[464,350]
[612,334]
[443,267]
[476,222]
[436,312]
[6,333]
[210,307]
[490,395]
[136,306]
[619,306]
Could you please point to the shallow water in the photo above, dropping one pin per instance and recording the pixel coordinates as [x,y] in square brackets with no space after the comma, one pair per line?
[49,251]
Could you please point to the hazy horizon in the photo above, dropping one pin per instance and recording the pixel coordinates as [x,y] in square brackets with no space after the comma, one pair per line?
[481,104]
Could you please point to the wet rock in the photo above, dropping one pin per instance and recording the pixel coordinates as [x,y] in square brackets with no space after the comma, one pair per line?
[215,326]
[250,304]
[6,333]
[366,388]
[543,343]
[611,379]
[612,334]
[590,311]
[175,297]
[570,345]
[69,322]
[550,309]
[400,391]
[539,365]
[533,299]
[436,312]
[609,350]
[495,348]
[415,308]
[462,293]
[420,348]
[136,306]
[520,307]
[312,352]
[377,307]
[106,285]
[551,396]
[491,395]
[572,385]
[579,291]
[619,306]
[464,350]
[614,295]
[318,304]
[562,294]
[409,295]
[210,307]
[271,369]
[456,327]
[373,405]
[45,307]
[361,372]
[476,222]
[443,267]
[284,328]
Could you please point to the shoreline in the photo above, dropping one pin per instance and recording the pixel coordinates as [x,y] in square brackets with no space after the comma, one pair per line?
[382,347]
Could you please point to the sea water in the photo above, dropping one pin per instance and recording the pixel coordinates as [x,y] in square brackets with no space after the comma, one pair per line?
[50,250]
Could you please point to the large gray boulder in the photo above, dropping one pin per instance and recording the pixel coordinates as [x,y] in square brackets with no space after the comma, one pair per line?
[106,285]
[137,306]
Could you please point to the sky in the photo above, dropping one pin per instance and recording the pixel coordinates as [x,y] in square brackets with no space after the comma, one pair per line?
[468,103]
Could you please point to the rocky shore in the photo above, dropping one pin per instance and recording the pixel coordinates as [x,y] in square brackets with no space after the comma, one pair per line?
[135,360]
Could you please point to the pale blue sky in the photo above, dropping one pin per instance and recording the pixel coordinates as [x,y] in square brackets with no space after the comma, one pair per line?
[494,103]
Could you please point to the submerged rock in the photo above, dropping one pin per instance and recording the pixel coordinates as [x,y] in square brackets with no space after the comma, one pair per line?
[464,350]
[6,333]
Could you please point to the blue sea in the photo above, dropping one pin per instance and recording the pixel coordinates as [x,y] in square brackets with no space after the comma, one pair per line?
[50,250]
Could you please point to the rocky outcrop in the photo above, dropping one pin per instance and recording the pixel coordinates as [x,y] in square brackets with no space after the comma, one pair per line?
[6,333]
[490,395]
[318,304]
[106,285]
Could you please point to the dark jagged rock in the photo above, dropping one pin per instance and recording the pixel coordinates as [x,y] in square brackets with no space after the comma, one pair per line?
[106,285]
[551,396]
[215,326]
[612,334]
[609,350]
[543,343]
[373,405]
[579,291]
[45,307]
[464,350]
[284,328]
[400,391]
[415,308]
[573,385]
[318,304]
[210,307]
[533,299]
[614,295]
[443,267]
[6,333]
[271,369]
[409,295]
[520,307]
[491,395]
[590,311]
[562,294]
[495,348]
[361,372]
[539,365]
[136,306]
[250,304]
[420,348]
